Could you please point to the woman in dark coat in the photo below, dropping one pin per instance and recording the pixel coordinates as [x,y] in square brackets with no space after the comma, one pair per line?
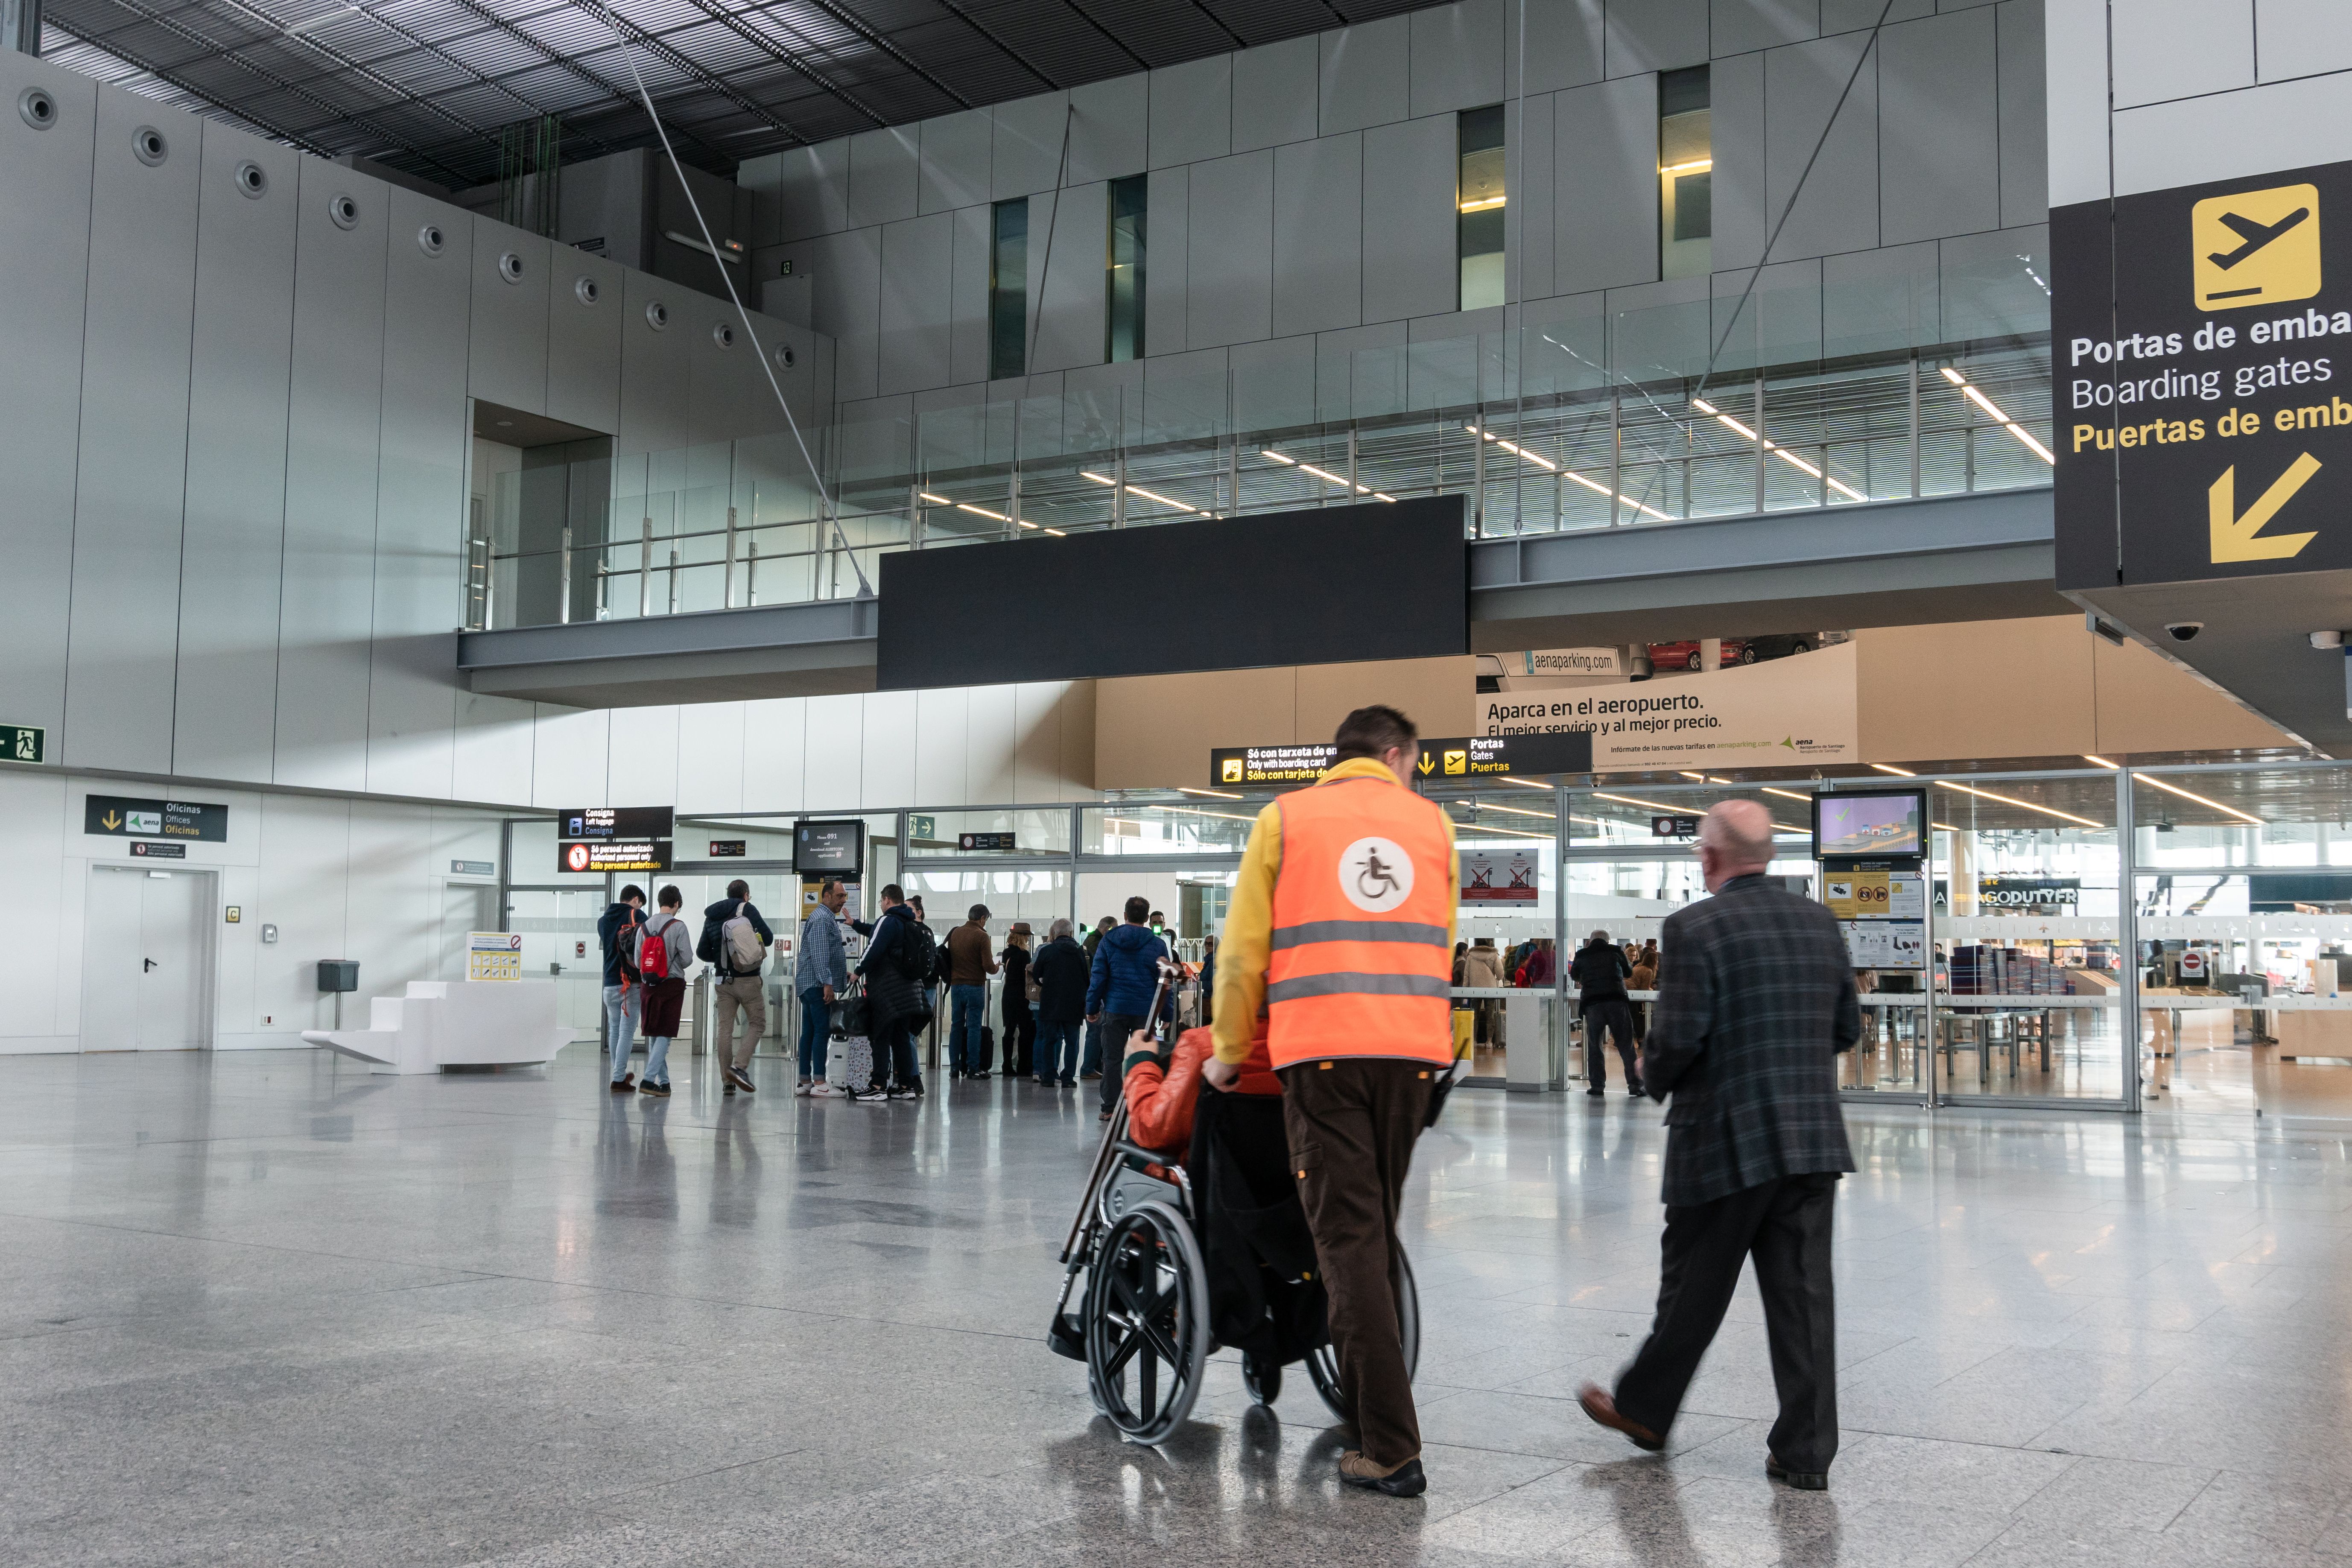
[1020,1021]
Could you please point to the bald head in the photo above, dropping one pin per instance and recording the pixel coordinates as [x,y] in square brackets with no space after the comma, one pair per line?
[1739,834]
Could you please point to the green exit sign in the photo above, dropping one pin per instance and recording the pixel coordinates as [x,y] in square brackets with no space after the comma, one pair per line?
[24,744]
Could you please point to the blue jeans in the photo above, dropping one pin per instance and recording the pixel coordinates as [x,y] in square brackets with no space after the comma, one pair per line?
[656,1058]
[966,1052]
[817,1025]
[1057,1054]
[624,1005]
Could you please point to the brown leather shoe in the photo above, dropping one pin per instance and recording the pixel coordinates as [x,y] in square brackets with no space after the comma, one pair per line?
[1601,1405]
[1406,1479]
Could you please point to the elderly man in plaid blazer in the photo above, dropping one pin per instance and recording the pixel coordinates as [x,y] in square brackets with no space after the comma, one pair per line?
[1759,995]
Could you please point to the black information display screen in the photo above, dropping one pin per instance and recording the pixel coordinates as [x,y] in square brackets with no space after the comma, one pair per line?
[829,848]
[127,817]
[614,838]
[1377,580]
[1850,825]
[2201,348]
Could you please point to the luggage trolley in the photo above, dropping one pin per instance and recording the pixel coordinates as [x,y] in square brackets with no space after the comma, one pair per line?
[1172,1269]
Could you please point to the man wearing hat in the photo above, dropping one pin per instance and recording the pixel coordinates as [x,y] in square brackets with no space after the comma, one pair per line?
[1020,1021]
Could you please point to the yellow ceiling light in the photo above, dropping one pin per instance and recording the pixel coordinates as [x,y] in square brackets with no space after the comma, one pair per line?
[1516,811]
[1276,457]
[1484,204]
[1891,768]
[1594,486]
[2012,800]
[935,500]
[2006,423]
[1696,166]
[2102,761]
[1847,490]
[1644,805]
[1786,794]
[2200,799]
[982,512]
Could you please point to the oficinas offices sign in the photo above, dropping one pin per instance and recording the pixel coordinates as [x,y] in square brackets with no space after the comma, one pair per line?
[2202,384]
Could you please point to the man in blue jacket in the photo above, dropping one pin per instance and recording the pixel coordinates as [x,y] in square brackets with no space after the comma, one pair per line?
[1127,971]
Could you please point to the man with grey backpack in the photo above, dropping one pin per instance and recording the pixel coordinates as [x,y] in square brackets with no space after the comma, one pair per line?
[735,943]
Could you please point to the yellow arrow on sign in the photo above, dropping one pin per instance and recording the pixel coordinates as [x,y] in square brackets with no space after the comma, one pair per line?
[1426,760]
[2233,536]
[111,822]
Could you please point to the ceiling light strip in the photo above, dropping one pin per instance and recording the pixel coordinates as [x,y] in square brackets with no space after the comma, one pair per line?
[2006,423]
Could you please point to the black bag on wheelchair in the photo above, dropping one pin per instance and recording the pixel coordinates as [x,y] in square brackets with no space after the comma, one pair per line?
[1263,1295]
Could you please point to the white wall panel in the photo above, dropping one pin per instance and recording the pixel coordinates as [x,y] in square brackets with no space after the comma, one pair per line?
[1111,132]
[234,533]
[1167,277]
[775,741]
[882,174]
[2024,125]
[392,903]
[1027,146]
[848,307]
[332,425]
[654,377]
[493,750]
[968,297]
[2178,48]
[134,409]
[1318,234]
[1939,148]
[711,756]
[571,756]
[1367,75]
[954,169]
[833,755]
[1606,158]
[941,734]
[1838,208]
[45,255]
[1653,36]
[918,297]
[34,872]
[420,593]
[1036,759]
[644,765]
[1457,56]
[1191,111]
[583,340]
[508,361]
[813,190]
[1067,286]
[1738,26]
[305,844]
[1409,180]
[992,745]
[1229,295]
[887,732]
[2297,37]
[1276,92]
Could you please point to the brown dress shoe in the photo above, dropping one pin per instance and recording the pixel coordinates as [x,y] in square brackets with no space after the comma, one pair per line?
[1601,1405]
[1406,1479]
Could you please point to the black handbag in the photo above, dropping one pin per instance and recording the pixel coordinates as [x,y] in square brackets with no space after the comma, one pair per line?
[853,1015]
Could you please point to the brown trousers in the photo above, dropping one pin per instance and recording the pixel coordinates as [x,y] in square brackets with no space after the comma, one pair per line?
[1351,1126]
[744,994]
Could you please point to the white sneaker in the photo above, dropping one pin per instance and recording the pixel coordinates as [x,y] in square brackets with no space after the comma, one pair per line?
[803,1088]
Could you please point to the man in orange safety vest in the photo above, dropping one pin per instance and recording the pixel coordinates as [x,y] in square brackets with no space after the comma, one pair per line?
[1340,928]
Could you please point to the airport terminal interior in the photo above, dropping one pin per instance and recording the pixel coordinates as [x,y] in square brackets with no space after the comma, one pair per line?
[481,473]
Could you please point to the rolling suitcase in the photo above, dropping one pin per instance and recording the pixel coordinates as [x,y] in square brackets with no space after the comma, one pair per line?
[849,1053]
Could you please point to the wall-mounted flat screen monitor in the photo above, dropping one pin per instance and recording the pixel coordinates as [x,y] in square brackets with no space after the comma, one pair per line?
[1870,824]
[829,848]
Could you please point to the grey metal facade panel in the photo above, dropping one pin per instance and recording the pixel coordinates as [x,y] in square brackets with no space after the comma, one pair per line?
[2163,50]
[1274,382]
[1192,112]
[759,177]
[1838,208]
[1367,73]
[334,420]
[1409,183]
[1880,301]
[1457,56]
[1564,41]
[1737,121]
[583,340]
[968,299]
[1069,281]
[654,387]
[848,305]
[1026,143]
[1939,138]
[2025,111]
[1357,374]
[508,357]
[956,150]
[1653,36]
[812,191]
[729,397]
[1738,26]
[2296,37]
[234,533]
[917,294]
[45,255]
[882,174]
[1110,130]
[1166,275]
[1531,177]
[1606,158]
[1276,92]
[123,641]
[1229,293]
[1318,235]
[1768,316]
[421,505]
[1846,15]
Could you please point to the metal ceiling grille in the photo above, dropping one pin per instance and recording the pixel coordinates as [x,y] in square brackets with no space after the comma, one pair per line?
[425,85]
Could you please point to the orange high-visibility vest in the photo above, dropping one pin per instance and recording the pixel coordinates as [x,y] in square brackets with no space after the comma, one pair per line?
[1361,954]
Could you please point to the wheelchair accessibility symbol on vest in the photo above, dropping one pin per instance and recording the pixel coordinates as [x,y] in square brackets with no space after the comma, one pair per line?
[1376,874]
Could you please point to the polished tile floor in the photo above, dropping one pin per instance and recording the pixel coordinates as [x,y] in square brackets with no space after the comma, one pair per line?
[262,1308]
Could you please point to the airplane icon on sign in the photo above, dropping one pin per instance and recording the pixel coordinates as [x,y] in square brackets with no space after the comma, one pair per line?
[2255,235]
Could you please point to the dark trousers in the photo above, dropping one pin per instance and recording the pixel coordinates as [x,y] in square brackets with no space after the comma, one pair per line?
[1784,1224]
[1116,1028]
[893,1035]
[1351,1126]
[1020,1040]
[1616,1016]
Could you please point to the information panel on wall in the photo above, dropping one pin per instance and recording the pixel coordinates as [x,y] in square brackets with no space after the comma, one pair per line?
[1493,756]
[1248,767]
[493,955]
[129,816]
[2202,346]
[614,838]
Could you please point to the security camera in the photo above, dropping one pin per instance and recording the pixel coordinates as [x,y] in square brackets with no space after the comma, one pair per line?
[2183,631]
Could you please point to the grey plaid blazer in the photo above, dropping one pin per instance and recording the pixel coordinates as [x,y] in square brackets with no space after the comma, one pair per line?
[1757,997]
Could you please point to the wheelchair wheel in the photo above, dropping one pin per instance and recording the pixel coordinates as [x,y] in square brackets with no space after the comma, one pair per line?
[1323,1365]
[1262,1378]
[1147,1322]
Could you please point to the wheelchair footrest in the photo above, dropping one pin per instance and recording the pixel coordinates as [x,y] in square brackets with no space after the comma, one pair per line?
[1064,1337]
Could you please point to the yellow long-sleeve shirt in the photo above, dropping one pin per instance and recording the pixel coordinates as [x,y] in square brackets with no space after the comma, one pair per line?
[1248,942]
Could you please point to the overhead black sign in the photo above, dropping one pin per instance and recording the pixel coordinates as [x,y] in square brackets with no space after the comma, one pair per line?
[1674,827]
[729,849]
[1245,766]
[122,817]
[983,840]
[614,838]
[1489,756]
[154,850]
[829,848]
[2203,370]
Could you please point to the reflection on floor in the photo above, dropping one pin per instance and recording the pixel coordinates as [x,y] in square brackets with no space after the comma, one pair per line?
[258,1308]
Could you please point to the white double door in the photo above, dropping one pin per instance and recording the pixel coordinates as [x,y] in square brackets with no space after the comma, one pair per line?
[147,960]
